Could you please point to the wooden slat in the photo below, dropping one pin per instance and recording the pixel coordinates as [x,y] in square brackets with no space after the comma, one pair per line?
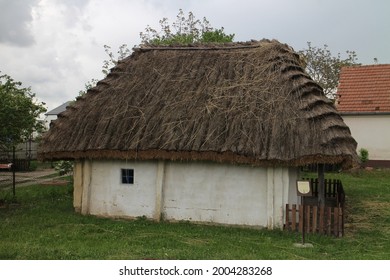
[294,217]
[335,221]
[340,228]
[315,208]
[326,187]
[334,187]
[316,186]
[322,215]
[328,220]
[287,222]
[322,220]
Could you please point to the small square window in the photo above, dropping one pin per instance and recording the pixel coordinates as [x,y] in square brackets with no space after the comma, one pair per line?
[127,176]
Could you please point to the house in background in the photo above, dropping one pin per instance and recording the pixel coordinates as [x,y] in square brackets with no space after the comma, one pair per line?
[53,114]
[363,100]
[205,133]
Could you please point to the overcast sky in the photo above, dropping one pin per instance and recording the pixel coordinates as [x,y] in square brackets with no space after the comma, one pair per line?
[56,46]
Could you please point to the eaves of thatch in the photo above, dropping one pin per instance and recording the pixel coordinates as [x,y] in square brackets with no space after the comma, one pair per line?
[249,103]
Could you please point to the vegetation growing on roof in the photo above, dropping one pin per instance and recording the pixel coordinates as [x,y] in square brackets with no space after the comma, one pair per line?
[185,30]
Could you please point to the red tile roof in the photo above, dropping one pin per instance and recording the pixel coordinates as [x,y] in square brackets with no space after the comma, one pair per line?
[364,89]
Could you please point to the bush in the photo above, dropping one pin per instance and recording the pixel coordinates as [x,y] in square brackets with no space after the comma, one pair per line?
[64,167]
[363,155]
[33,165]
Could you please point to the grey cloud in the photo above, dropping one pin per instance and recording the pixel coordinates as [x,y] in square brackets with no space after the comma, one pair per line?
[14,19]
[74,11]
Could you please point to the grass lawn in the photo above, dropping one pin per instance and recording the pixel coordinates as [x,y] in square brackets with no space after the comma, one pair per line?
[45,226]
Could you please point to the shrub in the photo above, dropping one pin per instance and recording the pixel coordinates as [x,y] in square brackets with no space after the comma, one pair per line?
[363,155]
[33,165]
[64,167]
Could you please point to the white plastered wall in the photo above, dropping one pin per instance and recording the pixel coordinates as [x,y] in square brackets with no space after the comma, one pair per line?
[103,193]
[194,191]
[372,132]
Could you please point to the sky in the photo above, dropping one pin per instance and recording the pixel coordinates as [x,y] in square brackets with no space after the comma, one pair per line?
[57,46]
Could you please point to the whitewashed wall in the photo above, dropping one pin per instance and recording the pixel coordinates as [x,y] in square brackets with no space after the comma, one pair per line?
[103,193]
[372,132]
[195,191]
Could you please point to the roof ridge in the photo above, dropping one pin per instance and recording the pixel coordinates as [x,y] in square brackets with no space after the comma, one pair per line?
[368,65]
[207,46]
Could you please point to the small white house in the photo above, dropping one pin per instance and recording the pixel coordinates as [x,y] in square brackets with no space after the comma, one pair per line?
[364,103]
[194,191]
[202,133]
[53,114]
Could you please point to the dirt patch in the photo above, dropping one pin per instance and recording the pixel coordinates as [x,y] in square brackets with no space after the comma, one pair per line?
[374,213]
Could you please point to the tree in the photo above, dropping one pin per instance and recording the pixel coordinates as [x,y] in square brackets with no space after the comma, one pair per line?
[187,30]
[324,68]
[19,112]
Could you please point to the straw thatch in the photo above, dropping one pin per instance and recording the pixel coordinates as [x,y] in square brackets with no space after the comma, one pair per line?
[239,103]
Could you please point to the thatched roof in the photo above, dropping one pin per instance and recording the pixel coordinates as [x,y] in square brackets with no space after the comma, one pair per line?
[240,103]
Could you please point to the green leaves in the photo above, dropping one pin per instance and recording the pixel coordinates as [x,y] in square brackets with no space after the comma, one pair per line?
[19,112]
[324,68]
[217,35]
[363,155]
[64,167]
[186,30]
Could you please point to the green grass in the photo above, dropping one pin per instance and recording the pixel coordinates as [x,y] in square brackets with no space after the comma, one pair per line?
[44,226]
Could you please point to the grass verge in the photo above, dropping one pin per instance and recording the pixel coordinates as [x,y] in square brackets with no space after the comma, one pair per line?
[43,225]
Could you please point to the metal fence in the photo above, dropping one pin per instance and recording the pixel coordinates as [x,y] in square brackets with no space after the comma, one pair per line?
[11,180]
[18,168]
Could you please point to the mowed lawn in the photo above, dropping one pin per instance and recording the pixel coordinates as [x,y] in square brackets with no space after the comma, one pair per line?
[43,225]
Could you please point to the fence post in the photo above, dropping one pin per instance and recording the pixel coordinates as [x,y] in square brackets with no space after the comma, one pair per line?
[328,211]
[294,217]
[315,218]
[336,221]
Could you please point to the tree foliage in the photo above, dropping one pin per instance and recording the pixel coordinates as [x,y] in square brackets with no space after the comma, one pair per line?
[324,68]
[19,112]
[185,30]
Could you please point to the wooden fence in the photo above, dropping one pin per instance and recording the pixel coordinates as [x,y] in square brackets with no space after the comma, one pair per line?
[334,192]
[323,220]
[328,219]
